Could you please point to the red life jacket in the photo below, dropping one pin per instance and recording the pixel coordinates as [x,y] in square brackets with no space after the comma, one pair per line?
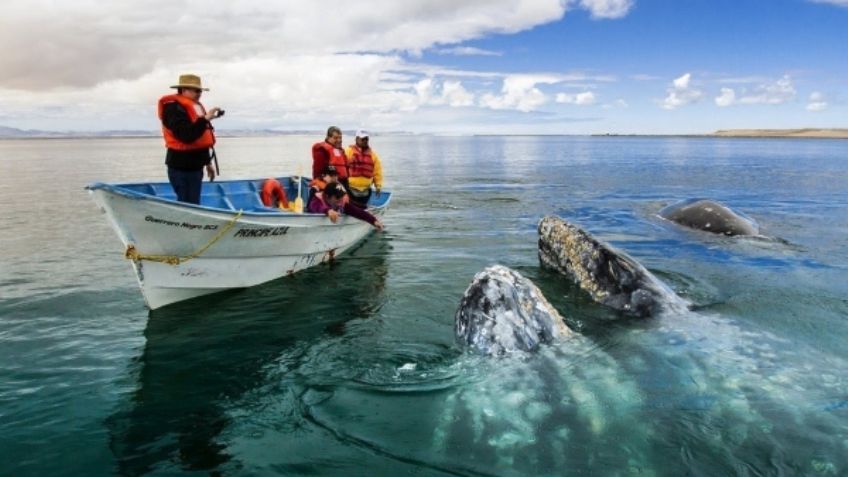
[362,163]
[195,110]
[336,155]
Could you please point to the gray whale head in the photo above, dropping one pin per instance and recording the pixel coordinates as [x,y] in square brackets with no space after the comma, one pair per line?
[502,312]
[709,216]
[611,277]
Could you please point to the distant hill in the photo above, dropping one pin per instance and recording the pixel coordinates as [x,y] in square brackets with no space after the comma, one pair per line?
[7,132]
[805,132]
[11,133]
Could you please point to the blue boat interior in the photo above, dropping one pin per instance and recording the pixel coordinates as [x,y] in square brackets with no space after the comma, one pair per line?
[237,194]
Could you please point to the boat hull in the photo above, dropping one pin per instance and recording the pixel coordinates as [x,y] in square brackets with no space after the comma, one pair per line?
[218,249]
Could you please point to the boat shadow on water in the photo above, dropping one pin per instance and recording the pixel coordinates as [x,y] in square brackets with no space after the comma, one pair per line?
[203,355]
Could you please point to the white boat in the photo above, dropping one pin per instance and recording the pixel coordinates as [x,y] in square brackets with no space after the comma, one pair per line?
[231,240]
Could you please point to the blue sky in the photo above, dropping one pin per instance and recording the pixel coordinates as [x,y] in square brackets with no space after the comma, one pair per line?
[497,66]
[664,38]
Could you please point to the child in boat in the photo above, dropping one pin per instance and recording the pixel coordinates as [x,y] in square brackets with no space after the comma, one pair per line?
[328,176]
[331,202]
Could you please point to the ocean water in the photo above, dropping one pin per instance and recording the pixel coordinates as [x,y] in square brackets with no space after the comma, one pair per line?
[350,368]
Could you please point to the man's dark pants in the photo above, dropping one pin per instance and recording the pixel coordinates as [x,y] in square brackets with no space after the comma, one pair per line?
[186,184]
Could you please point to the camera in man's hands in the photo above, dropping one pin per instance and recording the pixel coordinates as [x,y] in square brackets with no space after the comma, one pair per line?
[219,113]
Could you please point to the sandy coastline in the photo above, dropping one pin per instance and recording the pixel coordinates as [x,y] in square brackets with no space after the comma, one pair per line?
[806,132]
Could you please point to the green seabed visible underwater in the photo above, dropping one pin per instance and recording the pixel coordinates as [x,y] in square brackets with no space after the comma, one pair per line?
[351,368]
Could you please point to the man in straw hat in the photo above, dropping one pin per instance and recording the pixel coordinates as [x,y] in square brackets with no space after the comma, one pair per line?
[187,128]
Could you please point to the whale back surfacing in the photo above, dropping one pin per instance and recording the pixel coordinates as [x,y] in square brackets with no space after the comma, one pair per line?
[709,216]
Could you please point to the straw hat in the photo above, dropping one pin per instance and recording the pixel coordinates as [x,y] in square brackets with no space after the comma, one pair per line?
[190,81]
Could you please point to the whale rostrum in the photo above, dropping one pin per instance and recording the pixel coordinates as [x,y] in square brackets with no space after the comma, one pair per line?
[502,312]
[610,276]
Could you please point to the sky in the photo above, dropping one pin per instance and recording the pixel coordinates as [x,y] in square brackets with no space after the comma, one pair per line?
[437,66]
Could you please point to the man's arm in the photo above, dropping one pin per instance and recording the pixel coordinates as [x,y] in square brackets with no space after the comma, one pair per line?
[359,213]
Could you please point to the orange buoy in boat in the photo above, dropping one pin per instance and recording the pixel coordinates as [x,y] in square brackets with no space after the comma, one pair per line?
[273,194]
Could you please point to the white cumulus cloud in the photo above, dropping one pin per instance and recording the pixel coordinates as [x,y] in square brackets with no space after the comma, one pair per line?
[467,51]
[775,92]
[519,92]
[270,64]
[726,98]
[607,8]
[818,102]
[584,98]
[681,93]
[456,95]
[80,44]
[450,93]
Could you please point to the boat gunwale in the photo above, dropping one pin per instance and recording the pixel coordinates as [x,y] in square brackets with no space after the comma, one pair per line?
[120,189]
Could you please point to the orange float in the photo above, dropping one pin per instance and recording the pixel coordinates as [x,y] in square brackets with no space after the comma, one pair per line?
[273,194]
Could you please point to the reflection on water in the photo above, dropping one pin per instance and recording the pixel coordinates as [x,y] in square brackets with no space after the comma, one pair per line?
[202,355]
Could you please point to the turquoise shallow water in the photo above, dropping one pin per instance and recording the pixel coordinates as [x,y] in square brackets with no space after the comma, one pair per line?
[351,369]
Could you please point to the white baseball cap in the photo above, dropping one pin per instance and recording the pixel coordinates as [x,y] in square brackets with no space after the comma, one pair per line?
[361,133]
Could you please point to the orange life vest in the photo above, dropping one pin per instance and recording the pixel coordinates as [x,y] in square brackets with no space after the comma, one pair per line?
[317,184]
[362,163]
[195,110]
[337,158]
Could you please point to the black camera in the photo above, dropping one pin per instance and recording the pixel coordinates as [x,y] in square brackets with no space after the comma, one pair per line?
[220,113]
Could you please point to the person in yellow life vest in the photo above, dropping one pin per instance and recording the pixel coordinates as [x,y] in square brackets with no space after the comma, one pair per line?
[364,170]
[187,129]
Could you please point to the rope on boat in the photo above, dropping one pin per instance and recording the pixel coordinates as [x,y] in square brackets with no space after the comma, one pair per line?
[133,254]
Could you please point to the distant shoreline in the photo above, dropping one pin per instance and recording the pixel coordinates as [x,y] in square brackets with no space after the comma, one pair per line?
[801,133]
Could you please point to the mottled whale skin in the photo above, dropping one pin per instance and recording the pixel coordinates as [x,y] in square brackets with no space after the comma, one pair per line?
[502,312]
[709,216]
[610,276]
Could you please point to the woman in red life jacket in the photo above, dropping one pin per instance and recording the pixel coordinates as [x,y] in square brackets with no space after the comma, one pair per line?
[188,133]
[331,203]
[329,152]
